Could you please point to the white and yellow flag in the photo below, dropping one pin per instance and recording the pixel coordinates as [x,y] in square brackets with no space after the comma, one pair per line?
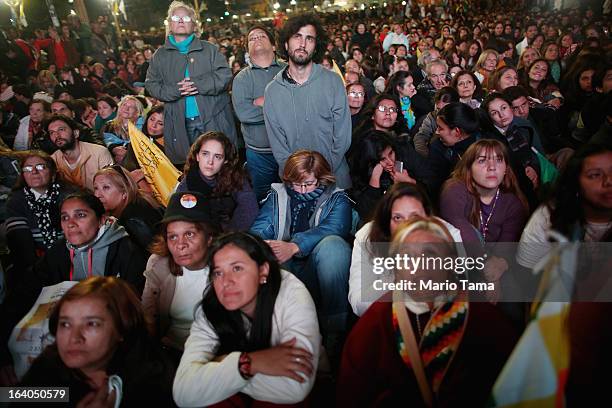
[159,172]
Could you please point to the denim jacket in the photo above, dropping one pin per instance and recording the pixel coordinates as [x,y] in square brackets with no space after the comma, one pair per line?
[332,216]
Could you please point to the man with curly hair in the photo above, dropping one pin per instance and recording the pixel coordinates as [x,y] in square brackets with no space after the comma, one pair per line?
[305,104]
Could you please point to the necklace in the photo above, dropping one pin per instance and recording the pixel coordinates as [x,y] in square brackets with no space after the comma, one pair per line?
[418,324]
[484,225]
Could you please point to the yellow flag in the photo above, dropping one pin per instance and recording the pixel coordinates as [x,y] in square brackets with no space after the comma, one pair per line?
[337,71]
[159,172]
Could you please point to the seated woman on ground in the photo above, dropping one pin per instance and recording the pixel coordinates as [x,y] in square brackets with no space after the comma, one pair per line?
[107,111]
[401,202]
[93,245]
[382,113]
[176,273]
[457,128]
[401,85]
[482,197]
[519,136]
[503,78]
[255,336]
[376,162]
[426,132]
[306,220]
[403,322]
[137,212]
[537,79]
[33,210]
[213,168]
[100,333]
[580,207]
[115,133]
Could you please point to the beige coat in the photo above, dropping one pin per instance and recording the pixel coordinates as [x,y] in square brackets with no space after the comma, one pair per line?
[158,293]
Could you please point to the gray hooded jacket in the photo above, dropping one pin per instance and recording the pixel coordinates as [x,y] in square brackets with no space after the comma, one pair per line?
[90,260]
[312,116]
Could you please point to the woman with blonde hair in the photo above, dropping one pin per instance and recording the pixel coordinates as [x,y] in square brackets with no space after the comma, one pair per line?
[47,81]
[526,58]
[305,220]
[115,132]
[482,198]
[486,65]
[424,347]
[137,212]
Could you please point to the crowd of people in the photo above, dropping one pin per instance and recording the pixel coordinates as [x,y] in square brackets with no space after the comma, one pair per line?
[303,147]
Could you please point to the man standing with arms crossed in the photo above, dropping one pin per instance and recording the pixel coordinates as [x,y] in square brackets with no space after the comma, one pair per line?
[247,97]
[306,105]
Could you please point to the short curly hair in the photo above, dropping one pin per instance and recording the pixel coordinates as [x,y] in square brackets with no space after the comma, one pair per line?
[293,25]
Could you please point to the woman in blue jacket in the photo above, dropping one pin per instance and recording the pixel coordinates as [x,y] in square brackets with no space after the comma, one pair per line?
[305,220]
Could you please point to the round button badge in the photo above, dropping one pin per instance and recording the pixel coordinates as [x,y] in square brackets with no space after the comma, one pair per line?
[188,201]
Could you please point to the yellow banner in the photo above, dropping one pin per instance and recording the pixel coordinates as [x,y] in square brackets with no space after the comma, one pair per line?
[159,172]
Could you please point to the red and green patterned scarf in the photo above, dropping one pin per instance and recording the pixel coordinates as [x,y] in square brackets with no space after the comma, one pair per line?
[441,338]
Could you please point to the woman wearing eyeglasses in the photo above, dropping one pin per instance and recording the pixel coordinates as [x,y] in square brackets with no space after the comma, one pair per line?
[192,78]
[305,220]
[138,213]
[382,113]
[357,98]
[33,219]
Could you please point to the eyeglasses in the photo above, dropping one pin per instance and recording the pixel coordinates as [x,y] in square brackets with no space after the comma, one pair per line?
[184,19]
[38,167]
[390,109]
[356,94]
[305,184]
[254,38]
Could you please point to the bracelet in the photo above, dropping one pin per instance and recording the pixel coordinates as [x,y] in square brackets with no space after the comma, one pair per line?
[244,365]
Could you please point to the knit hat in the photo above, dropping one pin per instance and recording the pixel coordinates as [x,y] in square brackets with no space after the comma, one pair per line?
[187,206]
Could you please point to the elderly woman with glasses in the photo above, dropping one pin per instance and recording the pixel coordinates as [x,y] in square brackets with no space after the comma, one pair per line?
[33,219]
[305,221]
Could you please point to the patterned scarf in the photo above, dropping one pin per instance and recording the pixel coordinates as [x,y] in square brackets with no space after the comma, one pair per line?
[407,111]
[302,208]
[41,209]
[441,338]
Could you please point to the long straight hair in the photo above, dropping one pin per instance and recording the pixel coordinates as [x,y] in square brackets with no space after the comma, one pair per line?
[229,325]
[463,174]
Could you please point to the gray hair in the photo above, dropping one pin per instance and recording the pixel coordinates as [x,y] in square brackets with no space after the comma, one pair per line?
[426,58]
[435,62]
[197,29]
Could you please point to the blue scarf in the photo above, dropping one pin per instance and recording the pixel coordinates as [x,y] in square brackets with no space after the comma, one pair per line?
[407,111]
[191,106]
[302,208]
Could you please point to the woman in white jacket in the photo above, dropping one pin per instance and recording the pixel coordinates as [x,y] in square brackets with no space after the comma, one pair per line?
[401,202]
[256,334]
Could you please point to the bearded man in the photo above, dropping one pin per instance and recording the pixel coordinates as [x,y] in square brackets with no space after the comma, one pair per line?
[305,104]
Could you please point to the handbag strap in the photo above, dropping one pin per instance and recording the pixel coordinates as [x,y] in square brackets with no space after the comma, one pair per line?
[413,352]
